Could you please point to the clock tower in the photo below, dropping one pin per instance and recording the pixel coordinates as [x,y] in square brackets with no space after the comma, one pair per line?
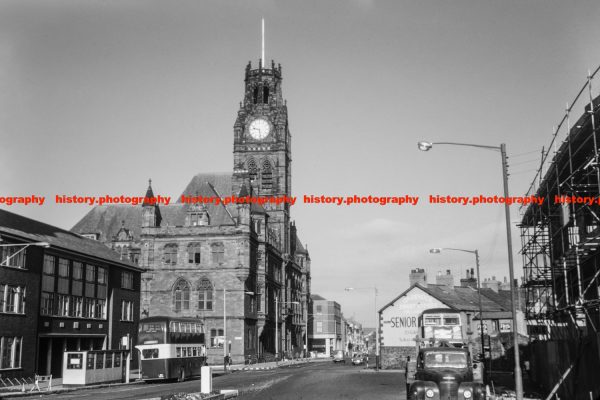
[262,145]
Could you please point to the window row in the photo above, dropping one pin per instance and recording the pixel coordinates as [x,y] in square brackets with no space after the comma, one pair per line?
[54,304]
[189,351]
[188,327]
[10,352]
[103,360]
[60,273]
[194,254]
[12,256]
[12,299]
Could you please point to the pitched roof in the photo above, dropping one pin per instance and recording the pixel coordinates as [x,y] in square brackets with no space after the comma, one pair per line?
[317,297]
[299,248]
[221,181]
[462,298]
[458,298]
[37,231]
[107,220]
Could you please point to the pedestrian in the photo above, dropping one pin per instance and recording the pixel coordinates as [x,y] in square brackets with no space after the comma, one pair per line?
[527,368]
[406,374]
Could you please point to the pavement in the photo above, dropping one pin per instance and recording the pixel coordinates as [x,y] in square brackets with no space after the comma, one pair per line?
[58,387]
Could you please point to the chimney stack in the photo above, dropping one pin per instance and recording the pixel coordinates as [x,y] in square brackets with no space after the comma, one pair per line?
[445,280]
[419,276]
[470,280]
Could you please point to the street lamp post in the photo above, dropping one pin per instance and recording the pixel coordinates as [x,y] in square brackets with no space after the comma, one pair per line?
[277,302]
[376,323]
[426,146]
[476,252]
[225,324]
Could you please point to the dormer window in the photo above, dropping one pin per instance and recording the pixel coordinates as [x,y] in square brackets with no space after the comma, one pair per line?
[197,216]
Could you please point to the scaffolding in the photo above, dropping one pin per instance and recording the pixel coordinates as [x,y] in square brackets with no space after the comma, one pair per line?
[561,238]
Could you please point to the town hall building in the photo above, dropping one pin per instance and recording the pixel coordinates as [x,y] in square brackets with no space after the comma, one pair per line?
[225,262]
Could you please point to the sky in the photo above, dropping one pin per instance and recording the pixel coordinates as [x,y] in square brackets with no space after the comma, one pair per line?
[96,97]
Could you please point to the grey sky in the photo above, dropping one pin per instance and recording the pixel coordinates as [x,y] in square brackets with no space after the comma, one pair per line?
[98,96]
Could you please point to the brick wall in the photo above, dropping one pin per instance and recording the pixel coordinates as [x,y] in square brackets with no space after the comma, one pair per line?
[394,357]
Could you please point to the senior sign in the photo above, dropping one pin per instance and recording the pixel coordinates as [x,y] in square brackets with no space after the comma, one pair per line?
[400,320]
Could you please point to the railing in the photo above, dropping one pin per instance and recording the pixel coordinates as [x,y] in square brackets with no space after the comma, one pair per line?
[14,384]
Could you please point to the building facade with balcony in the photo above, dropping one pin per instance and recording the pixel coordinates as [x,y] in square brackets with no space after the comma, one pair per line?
[73,293]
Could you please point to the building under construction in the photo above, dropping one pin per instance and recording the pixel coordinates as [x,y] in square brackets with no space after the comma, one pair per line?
[561,255]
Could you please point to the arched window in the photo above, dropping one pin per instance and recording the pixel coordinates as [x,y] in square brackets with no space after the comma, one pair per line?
[194,253]
[170,254]
[267,176]
[255,95]
[181,295]
[205,295]
[266,95]
[252,169]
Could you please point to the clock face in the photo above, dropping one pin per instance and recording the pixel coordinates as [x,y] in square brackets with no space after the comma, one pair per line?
[259,128]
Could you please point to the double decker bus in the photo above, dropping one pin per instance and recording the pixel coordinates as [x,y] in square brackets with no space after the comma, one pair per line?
[171,348]
[442,325]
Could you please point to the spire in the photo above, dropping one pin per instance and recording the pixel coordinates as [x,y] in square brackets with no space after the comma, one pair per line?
[151,215]
[149,194]
[262,54]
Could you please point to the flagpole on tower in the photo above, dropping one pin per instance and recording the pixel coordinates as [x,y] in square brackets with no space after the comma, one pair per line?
[263,44]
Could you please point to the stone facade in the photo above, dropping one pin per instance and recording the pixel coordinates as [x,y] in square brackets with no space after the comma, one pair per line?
[207,259]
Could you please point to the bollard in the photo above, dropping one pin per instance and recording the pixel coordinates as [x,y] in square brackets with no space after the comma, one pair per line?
[205,380]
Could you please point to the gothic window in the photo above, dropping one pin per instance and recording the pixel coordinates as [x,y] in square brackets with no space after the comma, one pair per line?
[267,176]
[170,254]
[252,169]
[266,95]
[194,253]
[259,290]
[181,295]
[257,226]
[255,95]
[218,252]
[205,295]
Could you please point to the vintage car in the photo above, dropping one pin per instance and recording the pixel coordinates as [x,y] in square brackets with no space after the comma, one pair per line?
[338,356]
[443,373]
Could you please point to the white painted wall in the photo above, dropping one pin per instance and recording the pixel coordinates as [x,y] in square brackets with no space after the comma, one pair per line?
[400,321]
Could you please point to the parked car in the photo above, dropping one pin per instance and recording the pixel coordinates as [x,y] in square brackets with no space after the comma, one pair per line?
[338,356]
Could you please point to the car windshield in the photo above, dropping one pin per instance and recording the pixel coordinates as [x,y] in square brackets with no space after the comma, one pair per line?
[446,360]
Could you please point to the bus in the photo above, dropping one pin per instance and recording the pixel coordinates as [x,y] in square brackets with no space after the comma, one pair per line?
[442,325]
[171,348]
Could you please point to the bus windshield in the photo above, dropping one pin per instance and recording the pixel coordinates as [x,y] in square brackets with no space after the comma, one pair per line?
[150,353]
[445,360]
